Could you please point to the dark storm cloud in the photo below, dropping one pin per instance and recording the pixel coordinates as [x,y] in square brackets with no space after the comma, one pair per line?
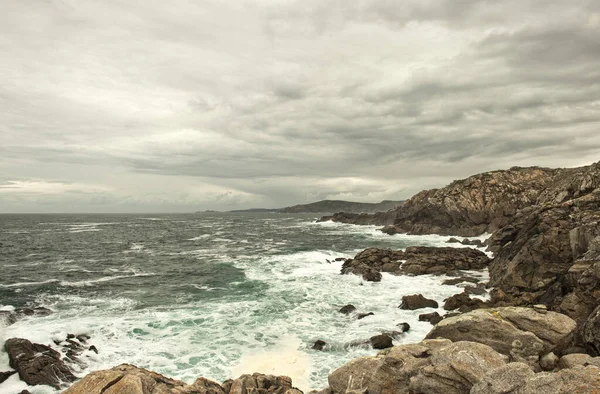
[122,106]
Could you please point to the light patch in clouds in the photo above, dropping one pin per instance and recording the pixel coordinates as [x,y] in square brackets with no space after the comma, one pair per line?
[45,187]
[129,106]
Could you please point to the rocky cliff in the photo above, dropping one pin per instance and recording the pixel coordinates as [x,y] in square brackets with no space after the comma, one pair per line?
[479,204]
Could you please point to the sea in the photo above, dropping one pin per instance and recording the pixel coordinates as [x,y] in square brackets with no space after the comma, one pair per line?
[206,294]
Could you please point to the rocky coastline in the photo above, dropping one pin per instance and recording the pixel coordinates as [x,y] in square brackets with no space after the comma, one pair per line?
[538,331]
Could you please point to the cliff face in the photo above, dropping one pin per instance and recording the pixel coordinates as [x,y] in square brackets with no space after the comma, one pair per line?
[550,253]
[469,207]
[479,204]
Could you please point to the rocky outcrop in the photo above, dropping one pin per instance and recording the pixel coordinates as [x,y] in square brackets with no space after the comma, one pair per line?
[133,380]
[469,207]
[521,333]
[38,364]
[415,260]
[551,253]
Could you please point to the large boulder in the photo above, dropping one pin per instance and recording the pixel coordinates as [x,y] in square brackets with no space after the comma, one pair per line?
[514,331]
[417,301]
[432,366]
[38,364]
[455,369]
[388,372]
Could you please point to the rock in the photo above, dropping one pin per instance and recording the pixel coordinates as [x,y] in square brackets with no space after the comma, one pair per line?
[591,333]
[382,341]
[472,290]
[403,326]
[10,317]
[548,362]
[319,345]
[518,332]
[260,383]
[347,309]
[455,369]
[430,316]
[461,279]
[509,378]
[37,364]
[462,302]
[518,378]
[363,315]
[577,359]
[6,375]
[416,260]
[133,380]
[417,301]
[421,260]
[453,241]
[388,372]
[130,379]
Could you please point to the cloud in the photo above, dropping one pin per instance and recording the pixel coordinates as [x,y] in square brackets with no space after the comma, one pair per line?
[277,103]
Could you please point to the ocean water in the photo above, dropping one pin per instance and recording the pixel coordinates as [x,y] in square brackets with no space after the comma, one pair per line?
[213,295]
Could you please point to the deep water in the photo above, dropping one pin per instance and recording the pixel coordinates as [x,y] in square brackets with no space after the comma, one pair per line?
[212,295]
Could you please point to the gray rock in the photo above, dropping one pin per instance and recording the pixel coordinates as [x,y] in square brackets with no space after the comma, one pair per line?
[518,332]
[577,359]
[455,369]
[509,378]
[548,362]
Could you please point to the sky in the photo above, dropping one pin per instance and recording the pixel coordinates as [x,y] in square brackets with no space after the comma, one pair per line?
[179,106]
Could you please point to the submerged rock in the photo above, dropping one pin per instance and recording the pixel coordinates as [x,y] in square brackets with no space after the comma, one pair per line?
[347,309]
[319,345]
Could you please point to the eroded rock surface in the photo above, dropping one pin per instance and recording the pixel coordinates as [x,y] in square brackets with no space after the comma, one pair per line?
[518,332]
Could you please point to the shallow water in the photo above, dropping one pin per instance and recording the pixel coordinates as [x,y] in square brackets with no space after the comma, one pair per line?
[212,295]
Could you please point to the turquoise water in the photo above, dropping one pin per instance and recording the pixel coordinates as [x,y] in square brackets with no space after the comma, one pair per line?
[212,295]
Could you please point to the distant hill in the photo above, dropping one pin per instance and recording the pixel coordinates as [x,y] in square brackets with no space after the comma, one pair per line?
[342,206]
[332,206]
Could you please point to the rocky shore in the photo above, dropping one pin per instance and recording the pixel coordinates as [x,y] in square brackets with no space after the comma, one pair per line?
[537,332]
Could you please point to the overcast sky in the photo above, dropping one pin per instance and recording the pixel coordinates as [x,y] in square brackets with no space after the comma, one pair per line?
[164,106]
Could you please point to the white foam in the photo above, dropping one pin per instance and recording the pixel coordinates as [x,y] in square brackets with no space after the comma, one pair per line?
[26,284]
[203,236]
[92,282]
